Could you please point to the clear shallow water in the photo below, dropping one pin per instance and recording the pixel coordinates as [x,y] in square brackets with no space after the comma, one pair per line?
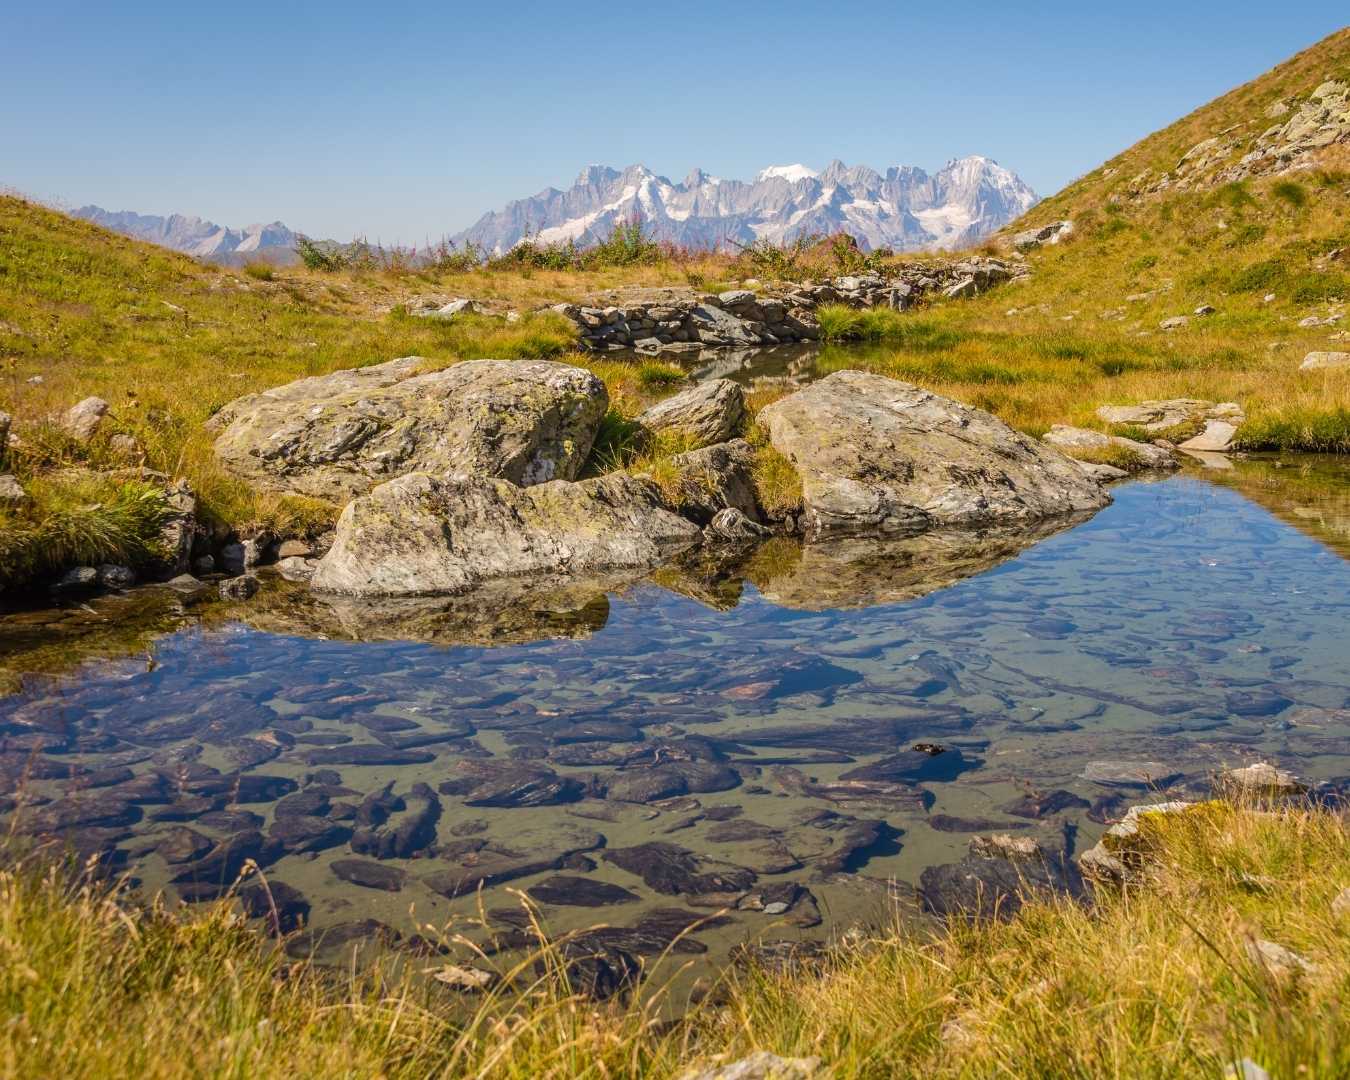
[1193,624]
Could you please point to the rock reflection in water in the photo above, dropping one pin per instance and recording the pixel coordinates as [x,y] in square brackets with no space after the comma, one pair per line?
[796,738]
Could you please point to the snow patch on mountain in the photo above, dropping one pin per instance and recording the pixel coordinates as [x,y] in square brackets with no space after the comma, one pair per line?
[905,208]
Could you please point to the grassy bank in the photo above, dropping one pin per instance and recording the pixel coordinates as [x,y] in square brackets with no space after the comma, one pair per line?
[1156,982]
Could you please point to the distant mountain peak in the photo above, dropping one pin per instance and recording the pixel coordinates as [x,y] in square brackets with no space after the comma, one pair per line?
[790,173]
[196,236]
[905,208]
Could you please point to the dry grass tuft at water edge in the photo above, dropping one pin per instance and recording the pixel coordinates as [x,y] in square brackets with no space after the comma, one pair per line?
[1157,982]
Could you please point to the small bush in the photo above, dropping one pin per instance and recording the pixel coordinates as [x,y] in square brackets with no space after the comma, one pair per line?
[1292,193]
[260,271]
[654,375]
[1258,277]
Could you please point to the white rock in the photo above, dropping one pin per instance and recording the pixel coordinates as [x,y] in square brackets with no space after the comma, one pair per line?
[1277,960]
[1325,361]
[1217,438]
[760,1065]
[11,491]
[82,421]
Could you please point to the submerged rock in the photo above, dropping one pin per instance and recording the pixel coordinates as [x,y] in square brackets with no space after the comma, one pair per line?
[995,877]
[421,535]
[369,875]
[882,457]
[335,436]
[568,890]
[672,870]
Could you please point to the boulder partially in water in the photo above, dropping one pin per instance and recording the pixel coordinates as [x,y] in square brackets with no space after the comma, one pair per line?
[336,436]
[708,412]
[886,458]
[422,535]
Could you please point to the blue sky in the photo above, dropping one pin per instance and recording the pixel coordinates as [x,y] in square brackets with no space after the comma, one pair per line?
[406,121]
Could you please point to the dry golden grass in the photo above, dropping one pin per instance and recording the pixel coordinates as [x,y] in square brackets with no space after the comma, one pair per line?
[1157,982]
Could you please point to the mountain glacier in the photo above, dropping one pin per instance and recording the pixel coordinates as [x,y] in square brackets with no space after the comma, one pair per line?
[904,209]
[197,237]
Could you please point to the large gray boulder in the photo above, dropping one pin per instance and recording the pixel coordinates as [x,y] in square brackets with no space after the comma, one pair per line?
[882,457]
[708,412]
[421,535]
[1325,361]
[336,436]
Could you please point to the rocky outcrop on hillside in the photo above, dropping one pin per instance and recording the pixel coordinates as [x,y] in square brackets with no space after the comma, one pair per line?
[680,320]
[882,457]
[336,436]
[1302,128]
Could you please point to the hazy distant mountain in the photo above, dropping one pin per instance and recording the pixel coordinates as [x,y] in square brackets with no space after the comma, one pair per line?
[197,237]
[905,208]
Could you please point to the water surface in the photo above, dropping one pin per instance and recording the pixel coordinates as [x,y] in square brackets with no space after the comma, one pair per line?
[1198,622]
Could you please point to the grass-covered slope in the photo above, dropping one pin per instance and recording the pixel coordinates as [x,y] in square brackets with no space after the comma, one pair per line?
[1150,243]
[1159,982]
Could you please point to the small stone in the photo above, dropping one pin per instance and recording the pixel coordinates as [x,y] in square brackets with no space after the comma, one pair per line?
[1145,774]
[1216,438]
[232,559]
[760,1065]
[464,978]
[291,549]
[1246,1069]
[1259,779]
[1204,310]
[1340,907]
[112,576]
[11,491]
[77,579]
[239,588]
[204,564]
[1176,322]
[296,568]
[124,446]
[1103,474]
[1279,961]
[82,421]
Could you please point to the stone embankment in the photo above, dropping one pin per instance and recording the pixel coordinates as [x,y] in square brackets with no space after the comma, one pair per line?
[679,320]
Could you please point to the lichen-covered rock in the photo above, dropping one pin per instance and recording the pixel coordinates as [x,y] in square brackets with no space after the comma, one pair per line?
[421,535]
[709,412]
[713,479]
[336,436]
[882,457]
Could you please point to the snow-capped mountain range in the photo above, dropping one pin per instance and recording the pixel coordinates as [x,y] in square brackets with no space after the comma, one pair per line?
[904,209]
[195,236]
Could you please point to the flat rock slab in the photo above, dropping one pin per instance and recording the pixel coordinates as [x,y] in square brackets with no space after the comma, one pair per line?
[1068,439]
[336,436]
[1142,774]
[882,457]
[1325,361]
[422,535]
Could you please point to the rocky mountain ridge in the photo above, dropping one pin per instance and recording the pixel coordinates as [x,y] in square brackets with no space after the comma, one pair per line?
[905,208]
[198,237]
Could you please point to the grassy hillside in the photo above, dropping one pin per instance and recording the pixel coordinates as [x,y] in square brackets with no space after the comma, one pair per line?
[1084,329]
[167,341]
[1158,982]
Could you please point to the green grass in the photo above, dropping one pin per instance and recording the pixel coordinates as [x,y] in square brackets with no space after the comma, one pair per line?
[1153,982]
[81,519]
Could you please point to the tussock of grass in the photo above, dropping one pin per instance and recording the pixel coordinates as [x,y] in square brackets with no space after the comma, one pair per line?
[1155,982]
[81,518]
[778,485]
